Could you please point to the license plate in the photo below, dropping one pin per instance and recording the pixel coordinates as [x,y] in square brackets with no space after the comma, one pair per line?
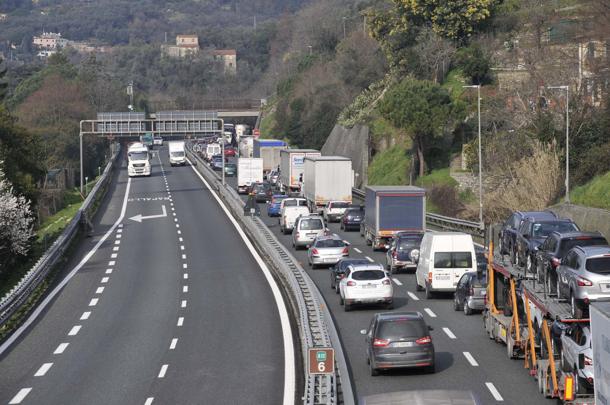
[369,286]
[403,344]
[329,260]
[312,235]
[447,277]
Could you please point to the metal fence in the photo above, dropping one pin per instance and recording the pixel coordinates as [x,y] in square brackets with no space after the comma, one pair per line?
[315,324]
[21,293]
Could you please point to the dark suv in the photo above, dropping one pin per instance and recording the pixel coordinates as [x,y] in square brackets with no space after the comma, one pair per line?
[532,233]
[508,233]
[352,218]
[555,247]
[404,251]
[396,340]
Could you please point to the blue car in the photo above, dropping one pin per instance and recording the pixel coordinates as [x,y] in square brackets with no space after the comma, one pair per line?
[273,208]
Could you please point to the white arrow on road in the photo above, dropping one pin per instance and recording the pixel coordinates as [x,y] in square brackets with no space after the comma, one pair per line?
[140,217]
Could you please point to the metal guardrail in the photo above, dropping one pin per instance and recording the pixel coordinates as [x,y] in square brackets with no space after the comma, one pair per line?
[20,294]
[442,222]
[315,324]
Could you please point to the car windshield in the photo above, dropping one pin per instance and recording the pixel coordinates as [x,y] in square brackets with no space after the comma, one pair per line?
[401,328]
[330,243]
[339,204]
[309,224]
[480,280]
[599,265]
[230,166]
[542,230]
[568,244]
[366,275]
[138,155]
[452,260]
[176,154]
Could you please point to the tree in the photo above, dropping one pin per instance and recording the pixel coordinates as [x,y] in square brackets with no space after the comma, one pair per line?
[423,109]
[16,222]
[475,64]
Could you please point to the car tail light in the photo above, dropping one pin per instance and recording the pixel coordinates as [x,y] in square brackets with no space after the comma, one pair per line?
[381,342]
[315,252]
[341,276]
[583,282]
[471,291]
[555,262]
[430,277]
[345,251]
[394,254]
[424,341]
[351,283]
[588,361]
[386,281]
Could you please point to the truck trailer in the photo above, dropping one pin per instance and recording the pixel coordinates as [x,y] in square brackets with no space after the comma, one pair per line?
[600,339]
[392,209]
[269,151]
[327,178]
[292,166]
[249,171]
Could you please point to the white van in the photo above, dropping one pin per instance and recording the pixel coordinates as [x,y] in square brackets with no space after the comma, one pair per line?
[443,258]
[212,149]
[290,210]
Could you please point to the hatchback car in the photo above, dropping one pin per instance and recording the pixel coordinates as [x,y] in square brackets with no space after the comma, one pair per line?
[273,209]
[230,169]
[584,276]
[351,219]
[404,251]
[306,229]
[337,272]
[399,340]
[470,293]
[366,284]
[327,250]
[576,342]
[216,162]
[262,192]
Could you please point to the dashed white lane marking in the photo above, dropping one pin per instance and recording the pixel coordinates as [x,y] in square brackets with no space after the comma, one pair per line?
[449,333]
[186,276]
[179,232]
[117,242]
[172,204]
[369,259]
[108,271]
[119,231]
[162,371]
[43,369]
[111,263]
[185,289]
[185,266]
[85,315]
[99,290]
[74,330]
[114,256]
[397,281]
[180,321]
[494,391]
[471,359]
[149,401]
[183,256]
[115,249]
[358,250]
[177,225]
[176,220]
[20,396]
[173,344]
[180,239]
[105,279]
[412,296]
[119,236]
[429,312]
[61,348]
[182,247]
[173,213]
[93,302]
[183,304]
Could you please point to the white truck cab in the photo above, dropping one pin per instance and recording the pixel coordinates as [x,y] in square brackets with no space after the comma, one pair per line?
[138,159]
[290,210]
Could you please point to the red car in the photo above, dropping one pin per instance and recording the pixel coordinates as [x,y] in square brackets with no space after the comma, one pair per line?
[230,152]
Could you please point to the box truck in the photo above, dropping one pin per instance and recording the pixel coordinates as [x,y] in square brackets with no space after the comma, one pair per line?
[325,179]
[177,155]
[269,151]
[292,165]
[391,209]
[249,171]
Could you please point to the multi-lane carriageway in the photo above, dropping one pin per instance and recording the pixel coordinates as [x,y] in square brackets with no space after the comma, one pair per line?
[172,307]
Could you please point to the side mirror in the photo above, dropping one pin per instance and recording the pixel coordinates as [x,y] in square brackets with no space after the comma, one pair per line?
[363,332]
[430,328]
[346,243]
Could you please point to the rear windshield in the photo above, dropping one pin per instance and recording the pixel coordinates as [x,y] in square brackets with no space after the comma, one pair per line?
[544,229]
[354,212]
[599,265]
[368,275]
[339,205]
[401,328]
[294,203]
[568,244]
[452,260]
[406,244]
[311,224]
[330,243]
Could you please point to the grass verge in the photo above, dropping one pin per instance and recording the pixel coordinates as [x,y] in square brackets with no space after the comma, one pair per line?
[595,193]
[390,167]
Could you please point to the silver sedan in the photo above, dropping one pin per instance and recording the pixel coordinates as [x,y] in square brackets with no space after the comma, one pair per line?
[327,250]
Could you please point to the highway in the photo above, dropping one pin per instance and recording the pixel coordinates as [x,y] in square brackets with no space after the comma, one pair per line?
[171,307]
[466,359]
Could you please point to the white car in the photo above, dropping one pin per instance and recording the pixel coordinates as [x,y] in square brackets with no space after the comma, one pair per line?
[157,140]
[306,229]
[576,340]
[366,284]
[290,210]
[334,210]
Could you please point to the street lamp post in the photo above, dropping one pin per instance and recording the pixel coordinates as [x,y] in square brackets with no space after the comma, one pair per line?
[478,87]
[567,89]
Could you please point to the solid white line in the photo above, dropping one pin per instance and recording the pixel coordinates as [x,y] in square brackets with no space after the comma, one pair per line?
[20,396]
[471,359]
[180,321]
[93,302]
[358,250]
[494,391]
[369,259]
[105,279]
[162,371]
[397,281]
[183,304]
[449,333]
[43,369]
[85,315]
[289,356]
[185,276]
[185,266]
[429,312]
[413,296]
[185,289]
[61,348]
[111,263]
[149,401]
[74,330]
[99,290]
[172,345]
[114,256]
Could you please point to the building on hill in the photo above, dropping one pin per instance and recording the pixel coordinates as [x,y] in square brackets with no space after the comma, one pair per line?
[49,40]
[228,57]
[186,45]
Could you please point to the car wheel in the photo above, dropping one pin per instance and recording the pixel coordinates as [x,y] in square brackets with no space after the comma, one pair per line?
[337,288]
[347,307]
[431,369]
[341,301]
[417,286]
[456,304]
[575,307]
[374,371]
[390,305]
[428,292]
[467,309]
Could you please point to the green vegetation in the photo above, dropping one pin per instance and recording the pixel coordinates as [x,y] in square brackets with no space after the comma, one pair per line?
[268,126]
[390,167]
[595,193]
[438,177]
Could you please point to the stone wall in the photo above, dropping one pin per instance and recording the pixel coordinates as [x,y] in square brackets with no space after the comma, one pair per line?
[589,219]
[354,144]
